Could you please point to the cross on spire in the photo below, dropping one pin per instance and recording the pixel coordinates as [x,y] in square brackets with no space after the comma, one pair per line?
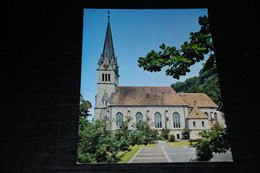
[108,15]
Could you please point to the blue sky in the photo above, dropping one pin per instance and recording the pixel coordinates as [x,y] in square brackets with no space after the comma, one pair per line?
[135,32]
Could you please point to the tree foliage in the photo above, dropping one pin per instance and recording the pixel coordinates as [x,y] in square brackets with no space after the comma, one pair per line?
[178,61]
[214,141]
[172,138]
[165,134]
[143,134]
[207,82]
[122,135]
[186,133]
[85,105]
[97,144]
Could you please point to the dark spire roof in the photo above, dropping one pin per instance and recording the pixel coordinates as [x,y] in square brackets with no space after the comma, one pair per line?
[108,50]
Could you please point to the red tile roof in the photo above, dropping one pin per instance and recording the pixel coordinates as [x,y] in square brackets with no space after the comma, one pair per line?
[200,99]
[146,96]
[158,96]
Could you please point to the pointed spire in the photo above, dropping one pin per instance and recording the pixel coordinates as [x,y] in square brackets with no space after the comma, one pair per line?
[108,50]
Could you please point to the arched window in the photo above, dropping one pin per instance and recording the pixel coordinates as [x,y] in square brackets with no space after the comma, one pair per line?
[158,120]
[105,77]
[139,117]
[102,77]
[206,114]
[202,123]
[216,117]
[108,77]
[194,124]
[176,120]
[119,119]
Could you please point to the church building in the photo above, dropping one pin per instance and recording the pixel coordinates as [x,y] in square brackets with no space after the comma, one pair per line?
[161,107]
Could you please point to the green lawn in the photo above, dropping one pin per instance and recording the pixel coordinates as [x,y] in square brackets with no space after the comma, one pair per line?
[179,143]
[131,153]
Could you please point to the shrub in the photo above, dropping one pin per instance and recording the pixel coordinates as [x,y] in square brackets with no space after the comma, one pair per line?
[217,126]
[148,135]
[172,138]
[186,133]
[165,134]
[136,138]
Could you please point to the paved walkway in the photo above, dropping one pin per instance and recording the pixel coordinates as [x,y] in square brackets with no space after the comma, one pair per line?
[151,154]
[164,153]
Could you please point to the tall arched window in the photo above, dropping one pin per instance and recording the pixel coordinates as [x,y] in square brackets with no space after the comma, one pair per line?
[216,117]
[176,120]
[102,77]
[105,77]
[158,120]
[108,77]
[139,117]
[119,119]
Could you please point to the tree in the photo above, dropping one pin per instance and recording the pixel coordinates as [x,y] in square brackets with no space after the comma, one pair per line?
[207,82]
[165,134]
[122,135]
[97,144]
[143,134]
[178,62]
[214,141]
[85,105]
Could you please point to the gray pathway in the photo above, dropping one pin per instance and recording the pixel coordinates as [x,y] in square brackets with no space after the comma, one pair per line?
[180,153]
[164,153]
[149,155]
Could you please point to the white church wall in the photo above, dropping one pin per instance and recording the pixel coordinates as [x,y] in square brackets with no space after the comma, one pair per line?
[194,134]
[148,113]
[211,114]
[197,125]
[166,116]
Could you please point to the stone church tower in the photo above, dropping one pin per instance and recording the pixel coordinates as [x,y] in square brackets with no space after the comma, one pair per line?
[107,76]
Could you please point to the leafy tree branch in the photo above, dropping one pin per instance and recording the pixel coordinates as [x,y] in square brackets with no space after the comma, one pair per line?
[178,62]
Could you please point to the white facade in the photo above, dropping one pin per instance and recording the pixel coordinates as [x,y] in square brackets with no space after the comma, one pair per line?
[167,118]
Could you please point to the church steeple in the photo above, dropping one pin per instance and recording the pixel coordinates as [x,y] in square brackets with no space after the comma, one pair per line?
[108,50]
[107,58]
[107,76]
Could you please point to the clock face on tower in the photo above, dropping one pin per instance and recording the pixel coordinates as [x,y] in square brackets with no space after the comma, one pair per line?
[105,65]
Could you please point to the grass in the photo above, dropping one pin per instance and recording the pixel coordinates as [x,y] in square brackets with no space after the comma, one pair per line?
[179,143]
[134,149]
